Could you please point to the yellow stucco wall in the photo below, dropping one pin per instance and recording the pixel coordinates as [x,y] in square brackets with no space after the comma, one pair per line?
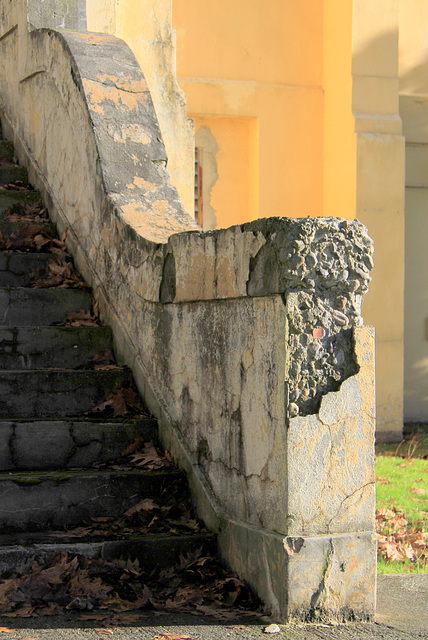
[296,114]
[340,141]
[414,112]
[265,66]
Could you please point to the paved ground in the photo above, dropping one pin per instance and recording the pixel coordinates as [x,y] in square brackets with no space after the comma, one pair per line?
[402,615]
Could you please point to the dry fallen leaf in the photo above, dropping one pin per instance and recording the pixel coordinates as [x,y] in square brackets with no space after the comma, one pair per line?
[147,504]
[236,626]
[82,318]
[172,636]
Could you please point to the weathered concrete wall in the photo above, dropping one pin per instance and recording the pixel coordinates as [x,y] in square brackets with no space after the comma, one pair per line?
[146,25]
[220,328]
[61,14]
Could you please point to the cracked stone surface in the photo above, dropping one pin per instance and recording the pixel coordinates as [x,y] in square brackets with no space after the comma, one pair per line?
[244,341]
[42,444]
[45,347]
[55,394]
[52,500]
[336,457]
[40,306]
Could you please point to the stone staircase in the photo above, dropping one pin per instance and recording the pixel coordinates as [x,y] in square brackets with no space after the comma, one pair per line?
[80,466]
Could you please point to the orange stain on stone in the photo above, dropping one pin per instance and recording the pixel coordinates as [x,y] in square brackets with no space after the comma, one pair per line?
[94,95]
[128,132]
[155,222]
[97,93]
[133,213]
[127,83]
[94,38]
[140,183]
[161,207]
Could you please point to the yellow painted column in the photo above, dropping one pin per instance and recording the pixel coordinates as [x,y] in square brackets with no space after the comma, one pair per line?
[413,66]
[380,172]
[364,171]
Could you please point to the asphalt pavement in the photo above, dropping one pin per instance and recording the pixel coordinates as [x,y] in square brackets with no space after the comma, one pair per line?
[402,614]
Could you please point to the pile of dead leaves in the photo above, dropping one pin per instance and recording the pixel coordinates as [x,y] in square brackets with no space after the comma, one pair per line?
[104,360]
[81,318]
[62,582]
[18,185]
[172,513]
[398,543]
[58,274]
[34,212]
[32,237]
[37,236]
[125,401]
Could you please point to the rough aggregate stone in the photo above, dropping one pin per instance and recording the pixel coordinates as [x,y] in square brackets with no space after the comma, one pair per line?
[226,331]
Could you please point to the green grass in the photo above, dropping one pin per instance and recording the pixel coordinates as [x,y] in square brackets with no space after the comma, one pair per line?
[399,484]
[400,567]
[402,485]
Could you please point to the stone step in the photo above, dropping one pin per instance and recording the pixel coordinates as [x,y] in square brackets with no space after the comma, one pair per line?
[57,499]
[36,307]
[61,444]
[153,552]
[6,151]
[16,268]
[56,394]
[9,198]
[47,347]
[11,172]
[18,228]
[48,448]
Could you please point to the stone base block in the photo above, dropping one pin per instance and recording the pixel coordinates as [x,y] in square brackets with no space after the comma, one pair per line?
[325,578]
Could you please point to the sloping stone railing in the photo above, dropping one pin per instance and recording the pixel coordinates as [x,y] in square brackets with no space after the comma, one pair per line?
[246,343]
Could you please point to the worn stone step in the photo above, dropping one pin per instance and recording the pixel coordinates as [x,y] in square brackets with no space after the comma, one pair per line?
[61,444]
[153,552]
[6,150]
[10,228]
[11,172]
[46,347]
[9,198]
[54,393]
[37,307]
[53,500]
[16,269]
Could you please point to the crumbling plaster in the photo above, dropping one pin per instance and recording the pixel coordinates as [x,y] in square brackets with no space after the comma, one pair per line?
[213,323]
